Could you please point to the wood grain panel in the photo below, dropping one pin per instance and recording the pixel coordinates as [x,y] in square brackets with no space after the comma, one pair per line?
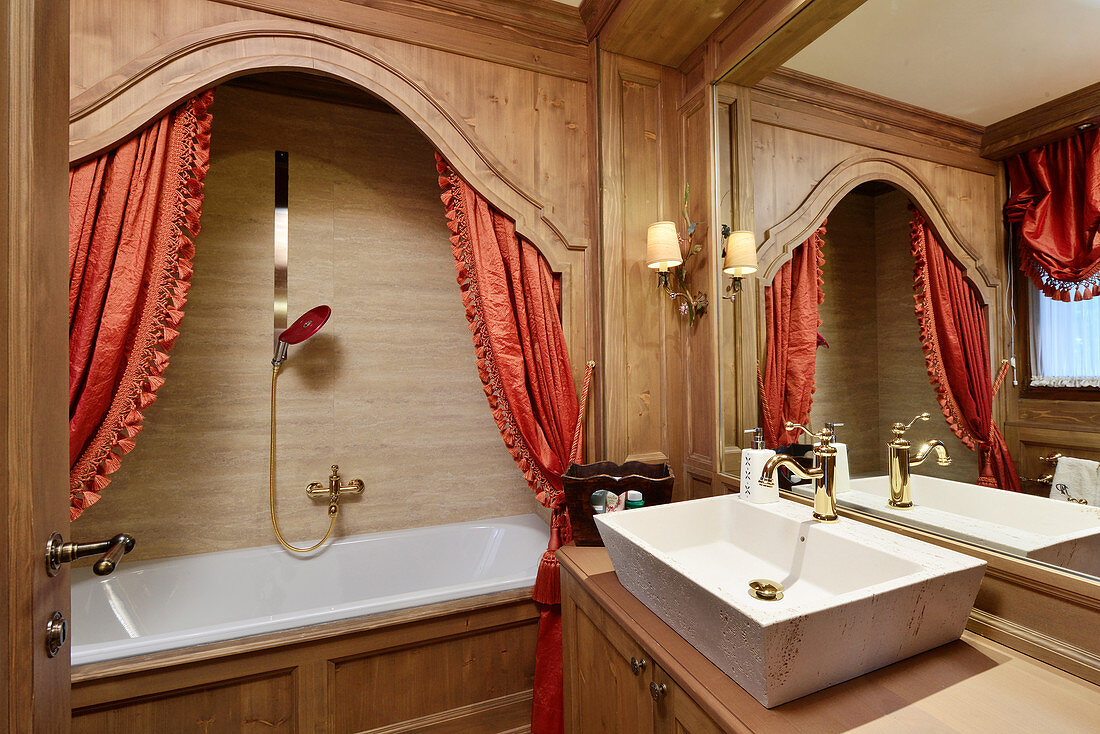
[33,373]
[662,32]
[609,696]
[255,705]
[432,678]
[697,136]
[639,145]
[290,679]
[388,390]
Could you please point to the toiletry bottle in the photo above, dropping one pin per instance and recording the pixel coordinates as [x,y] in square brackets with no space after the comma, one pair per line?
[634,499]
[843,474]
[752,465]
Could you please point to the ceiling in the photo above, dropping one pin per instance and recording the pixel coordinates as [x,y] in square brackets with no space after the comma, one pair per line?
[976,60]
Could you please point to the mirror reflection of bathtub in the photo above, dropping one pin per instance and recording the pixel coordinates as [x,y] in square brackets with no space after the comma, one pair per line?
[1052,531]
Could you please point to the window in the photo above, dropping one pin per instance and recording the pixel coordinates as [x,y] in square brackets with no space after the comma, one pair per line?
[1065,341]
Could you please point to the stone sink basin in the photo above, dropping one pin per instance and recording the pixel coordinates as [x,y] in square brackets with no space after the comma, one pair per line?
[1054,531]
[855,597]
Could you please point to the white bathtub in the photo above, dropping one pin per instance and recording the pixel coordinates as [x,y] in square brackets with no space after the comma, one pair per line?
[179,602]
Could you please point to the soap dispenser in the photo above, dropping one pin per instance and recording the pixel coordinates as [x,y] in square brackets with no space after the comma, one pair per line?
[752,466]
[843,474]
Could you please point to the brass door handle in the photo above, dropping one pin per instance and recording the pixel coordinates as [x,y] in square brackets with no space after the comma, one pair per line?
[656,690]
[58,552]
[637,665]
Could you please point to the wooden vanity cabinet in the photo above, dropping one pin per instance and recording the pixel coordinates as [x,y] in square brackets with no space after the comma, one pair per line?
[611,682]
[969,686]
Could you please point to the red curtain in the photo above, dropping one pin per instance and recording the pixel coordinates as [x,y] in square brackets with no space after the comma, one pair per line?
[132,212]
[791,314]
[511,298]
[955,339]
[1055,203]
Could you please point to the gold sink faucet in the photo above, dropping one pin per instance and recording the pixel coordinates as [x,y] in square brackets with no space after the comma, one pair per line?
[901,490]
[823,472]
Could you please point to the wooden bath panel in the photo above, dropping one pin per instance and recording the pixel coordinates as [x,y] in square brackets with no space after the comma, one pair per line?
[460,666]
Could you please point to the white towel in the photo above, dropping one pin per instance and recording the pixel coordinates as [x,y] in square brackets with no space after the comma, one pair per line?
[1079,477]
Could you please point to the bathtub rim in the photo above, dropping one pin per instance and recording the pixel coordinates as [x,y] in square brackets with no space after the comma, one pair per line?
[297,635]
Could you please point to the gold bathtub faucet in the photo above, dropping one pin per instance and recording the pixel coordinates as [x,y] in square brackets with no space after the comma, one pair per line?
[901,490]
[823,472]
[334,489]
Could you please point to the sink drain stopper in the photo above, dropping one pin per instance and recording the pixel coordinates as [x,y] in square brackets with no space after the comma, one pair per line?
[766,590]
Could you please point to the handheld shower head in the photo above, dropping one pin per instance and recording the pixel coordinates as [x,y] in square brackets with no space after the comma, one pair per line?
[306,326]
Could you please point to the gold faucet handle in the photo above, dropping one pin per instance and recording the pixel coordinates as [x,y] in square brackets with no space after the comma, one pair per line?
[825,436]
[901,428]
[791,425]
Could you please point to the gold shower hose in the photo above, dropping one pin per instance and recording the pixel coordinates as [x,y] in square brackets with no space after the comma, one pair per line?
[333,509]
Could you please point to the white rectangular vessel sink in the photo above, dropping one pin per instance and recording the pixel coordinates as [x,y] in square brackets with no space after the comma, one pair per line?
[855,597]
[1062,533]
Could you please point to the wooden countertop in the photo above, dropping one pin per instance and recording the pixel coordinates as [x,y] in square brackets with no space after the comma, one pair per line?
[971,685]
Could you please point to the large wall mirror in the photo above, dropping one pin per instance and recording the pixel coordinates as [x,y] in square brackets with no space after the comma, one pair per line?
[806,146]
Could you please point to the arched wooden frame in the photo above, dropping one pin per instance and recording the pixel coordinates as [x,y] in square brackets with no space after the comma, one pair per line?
[123,103]
[781,239]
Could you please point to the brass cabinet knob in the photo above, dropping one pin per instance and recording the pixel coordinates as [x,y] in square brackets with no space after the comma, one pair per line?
[657,690]
[637,665]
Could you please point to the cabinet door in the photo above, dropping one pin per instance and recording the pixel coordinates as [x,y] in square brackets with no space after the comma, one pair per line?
[607,678]
[675,712]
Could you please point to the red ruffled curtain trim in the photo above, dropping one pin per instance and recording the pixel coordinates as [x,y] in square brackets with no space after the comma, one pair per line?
[132,214]
[792,316]
[955,340]
[1055,204]
[511,302]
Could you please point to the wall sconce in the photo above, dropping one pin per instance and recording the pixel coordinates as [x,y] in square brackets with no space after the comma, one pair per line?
[664,255]
[739,259]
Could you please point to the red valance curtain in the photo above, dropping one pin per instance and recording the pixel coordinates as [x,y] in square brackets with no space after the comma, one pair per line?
[511,298]
[132,212]
[955,340]
[1055,204]
[792,319]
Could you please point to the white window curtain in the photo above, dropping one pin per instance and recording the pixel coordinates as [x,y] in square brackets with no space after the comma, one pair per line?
[1065,341]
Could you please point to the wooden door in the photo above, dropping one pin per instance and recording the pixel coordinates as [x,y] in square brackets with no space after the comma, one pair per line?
[607,677]
[676,712]
[33,359]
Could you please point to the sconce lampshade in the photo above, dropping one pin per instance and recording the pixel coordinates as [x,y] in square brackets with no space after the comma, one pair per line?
[662,247]
[740,254]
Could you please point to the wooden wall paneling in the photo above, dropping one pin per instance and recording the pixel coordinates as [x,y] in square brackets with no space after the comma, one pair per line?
[697,144]
[738,329]
[536,36]
[33,372]
[760,35]
[594,14]
[638,148]
[472,109]
[1050,121]
[798,101]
